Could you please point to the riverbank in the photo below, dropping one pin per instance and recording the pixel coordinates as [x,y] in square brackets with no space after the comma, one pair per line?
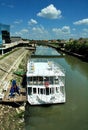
[12,114]
[82,57]
[10,118]
[77,48]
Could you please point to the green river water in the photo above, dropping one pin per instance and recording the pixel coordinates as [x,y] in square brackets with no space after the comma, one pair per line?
[73,115]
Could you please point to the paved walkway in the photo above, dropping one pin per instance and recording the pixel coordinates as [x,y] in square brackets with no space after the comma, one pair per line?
[7,65]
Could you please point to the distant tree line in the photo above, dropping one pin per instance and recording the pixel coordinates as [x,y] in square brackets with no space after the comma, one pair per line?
[79,46]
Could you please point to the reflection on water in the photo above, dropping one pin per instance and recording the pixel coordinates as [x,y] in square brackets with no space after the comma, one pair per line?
[77,64]
[40,50]
[73,115]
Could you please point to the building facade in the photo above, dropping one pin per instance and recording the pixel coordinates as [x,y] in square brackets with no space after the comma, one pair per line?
[15,38]
[4,34]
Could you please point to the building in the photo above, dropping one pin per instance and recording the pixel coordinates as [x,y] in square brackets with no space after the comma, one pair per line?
[15,38]
[4,34]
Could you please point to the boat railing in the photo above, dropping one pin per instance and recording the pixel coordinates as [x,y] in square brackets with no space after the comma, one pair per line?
[58,66]
[60,82]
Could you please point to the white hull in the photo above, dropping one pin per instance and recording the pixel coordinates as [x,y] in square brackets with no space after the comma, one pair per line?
[46,99]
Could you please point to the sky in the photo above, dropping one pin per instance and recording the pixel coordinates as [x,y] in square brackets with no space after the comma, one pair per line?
[45,19]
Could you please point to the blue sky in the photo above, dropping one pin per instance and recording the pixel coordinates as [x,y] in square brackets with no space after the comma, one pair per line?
[45,19]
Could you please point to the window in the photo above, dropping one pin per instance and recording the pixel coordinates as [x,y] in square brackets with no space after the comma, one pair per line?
[30,82]
[34,90]
[40,80]
[56,80]
[51,80]
[41,90]
[62,89]
[38,90]
[47,91]
[57,89]
[52,90]
[29,90]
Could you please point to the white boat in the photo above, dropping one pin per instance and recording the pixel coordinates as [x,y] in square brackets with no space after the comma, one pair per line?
[45,83]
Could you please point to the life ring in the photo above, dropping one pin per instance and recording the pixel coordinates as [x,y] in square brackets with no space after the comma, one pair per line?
[46,83]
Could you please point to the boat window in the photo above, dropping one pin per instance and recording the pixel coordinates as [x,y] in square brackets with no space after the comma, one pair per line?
[30,82]
[29,78]
[38,90]
[41,91]
[46,78]
[44,91]
[56,80]
[62,89]
[35,80]
[57,89]
[47,91]
[52,90]
[62,79]
[40,80]
[51,80]
[34,90]
[29,90]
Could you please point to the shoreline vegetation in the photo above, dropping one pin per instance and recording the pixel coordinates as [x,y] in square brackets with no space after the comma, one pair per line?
[77,48]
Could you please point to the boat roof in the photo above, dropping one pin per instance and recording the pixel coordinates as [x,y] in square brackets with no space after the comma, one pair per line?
[43,69]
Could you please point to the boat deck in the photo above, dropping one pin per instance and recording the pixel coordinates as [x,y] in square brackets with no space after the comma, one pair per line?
[44,69]
[16,98]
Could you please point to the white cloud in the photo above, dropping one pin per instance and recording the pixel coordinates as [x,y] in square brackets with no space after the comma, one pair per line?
[24,31]
[7,5]
[39,33]
[32,21]
[80,22]
[40,30]
[50,12]
[64,30]
[18,21]
[85,32]
[18,33]
[62,33]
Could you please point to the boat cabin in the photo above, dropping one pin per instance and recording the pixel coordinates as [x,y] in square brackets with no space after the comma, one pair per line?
[44,85]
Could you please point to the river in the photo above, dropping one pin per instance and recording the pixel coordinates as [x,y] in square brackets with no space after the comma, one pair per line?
[73,115]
